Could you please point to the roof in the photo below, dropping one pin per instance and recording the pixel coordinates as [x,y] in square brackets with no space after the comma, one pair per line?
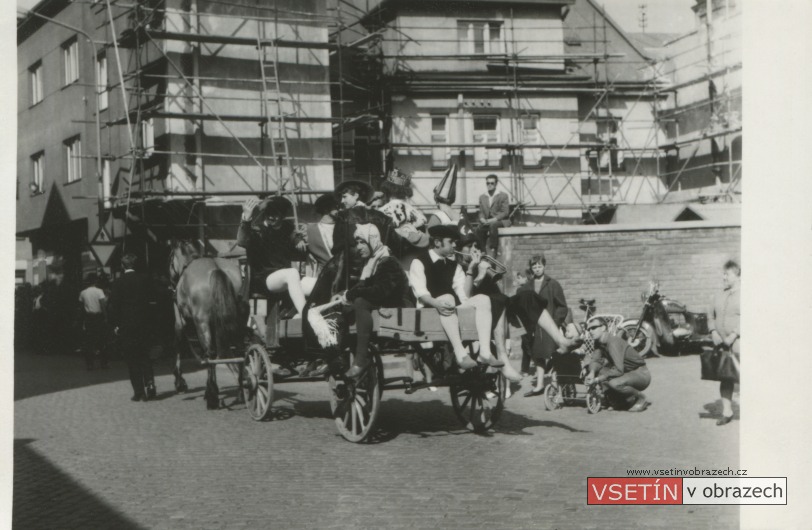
[653,40]
[665,213]
[386,9]
[28,24]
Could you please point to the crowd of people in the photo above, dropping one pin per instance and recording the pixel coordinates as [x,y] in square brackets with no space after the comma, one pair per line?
[437,261]
[447,269]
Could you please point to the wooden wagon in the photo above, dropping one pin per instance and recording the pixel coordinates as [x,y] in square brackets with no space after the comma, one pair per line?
[477,395]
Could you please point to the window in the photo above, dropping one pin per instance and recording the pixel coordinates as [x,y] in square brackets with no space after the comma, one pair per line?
[101,79]
[73,157]
[106,182]
[479,36]
[70,54]
[148,137]
[532,138]
[439,135]
[486,132]
[36,83]
[37,171]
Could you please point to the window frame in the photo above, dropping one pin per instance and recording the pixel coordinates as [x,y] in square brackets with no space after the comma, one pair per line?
[435,161]
[35,72]
[537,140]
[467,44]
[73,159]
[37,173]
[148,137]
[497,132]
[102,87]
[70,61]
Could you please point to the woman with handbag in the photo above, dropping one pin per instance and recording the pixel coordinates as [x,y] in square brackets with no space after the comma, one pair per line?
[725,330]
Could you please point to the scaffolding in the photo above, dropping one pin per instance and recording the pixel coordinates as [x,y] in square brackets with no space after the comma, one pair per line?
[288,98]
[646,172]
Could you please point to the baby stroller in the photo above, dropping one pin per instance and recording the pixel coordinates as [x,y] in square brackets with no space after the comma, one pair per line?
[566,381]
[569,371]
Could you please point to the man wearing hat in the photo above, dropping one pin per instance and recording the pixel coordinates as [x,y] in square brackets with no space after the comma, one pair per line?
[271,242]
[439,282]
[353,193]
[352,196]
[129,315]
[617,363]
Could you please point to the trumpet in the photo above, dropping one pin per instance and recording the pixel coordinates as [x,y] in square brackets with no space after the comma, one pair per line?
[496,270]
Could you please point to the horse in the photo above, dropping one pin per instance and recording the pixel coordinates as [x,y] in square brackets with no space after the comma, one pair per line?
[206,298]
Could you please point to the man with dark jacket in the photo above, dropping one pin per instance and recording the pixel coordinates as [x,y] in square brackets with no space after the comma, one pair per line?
[129,315]
[494,211]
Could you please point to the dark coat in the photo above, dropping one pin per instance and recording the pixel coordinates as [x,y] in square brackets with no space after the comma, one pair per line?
[130,307]
[269,249]
[556,304]
[387,287]
[499,210]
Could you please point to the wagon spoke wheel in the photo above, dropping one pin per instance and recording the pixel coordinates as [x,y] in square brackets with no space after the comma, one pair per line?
[257,382]
[478,399]
[355,404]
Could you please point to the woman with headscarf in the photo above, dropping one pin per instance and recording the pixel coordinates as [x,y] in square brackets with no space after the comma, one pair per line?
[382,284]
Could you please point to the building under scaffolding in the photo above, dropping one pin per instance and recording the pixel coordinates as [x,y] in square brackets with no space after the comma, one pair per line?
[145,120]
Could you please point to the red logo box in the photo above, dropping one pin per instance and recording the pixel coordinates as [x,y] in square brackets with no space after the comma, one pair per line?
[634,490]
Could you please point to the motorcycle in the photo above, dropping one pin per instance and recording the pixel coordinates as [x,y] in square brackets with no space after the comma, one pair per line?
[664,323]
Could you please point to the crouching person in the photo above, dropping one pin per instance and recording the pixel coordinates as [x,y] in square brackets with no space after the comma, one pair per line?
[439,282]
[382,284]
[617,363]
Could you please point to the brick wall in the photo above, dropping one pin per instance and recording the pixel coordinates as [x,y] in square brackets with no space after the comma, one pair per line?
[614,263]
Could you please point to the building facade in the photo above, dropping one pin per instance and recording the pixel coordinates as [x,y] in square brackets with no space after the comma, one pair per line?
[549,95]
[153,120]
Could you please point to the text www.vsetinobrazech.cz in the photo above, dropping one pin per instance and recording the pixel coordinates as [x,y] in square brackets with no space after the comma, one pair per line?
[687,472]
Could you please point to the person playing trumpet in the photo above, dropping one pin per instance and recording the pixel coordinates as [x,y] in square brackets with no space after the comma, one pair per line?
[485,278]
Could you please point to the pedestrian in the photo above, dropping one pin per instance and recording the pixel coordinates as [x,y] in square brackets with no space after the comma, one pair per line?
[537,345]
[619,365]
[725,329]
[93,301]
[494,211]
[130,314]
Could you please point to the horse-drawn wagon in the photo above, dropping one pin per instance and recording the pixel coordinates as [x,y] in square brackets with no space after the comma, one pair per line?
[477,395]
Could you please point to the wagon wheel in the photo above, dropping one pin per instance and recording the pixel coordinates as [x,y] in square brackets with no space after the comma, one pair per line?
[355,404]
[553,397]
[257,382]
[594,399]
[568,391]
[478,399]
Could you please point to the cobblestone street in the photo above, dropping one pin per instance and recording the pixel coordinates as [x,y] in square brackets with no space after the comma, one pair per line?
[87,457]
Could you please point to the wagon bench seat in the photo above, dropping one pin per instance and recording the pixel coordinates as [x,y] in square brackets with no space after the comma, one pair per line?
[406,324]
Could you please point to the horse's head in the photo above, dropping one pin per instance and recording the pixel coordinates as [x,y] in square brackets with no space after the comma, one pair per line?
[181,253]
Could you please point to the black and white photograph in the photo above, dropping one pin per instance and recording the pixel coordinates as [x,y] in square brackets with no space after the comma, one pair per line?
[406,264]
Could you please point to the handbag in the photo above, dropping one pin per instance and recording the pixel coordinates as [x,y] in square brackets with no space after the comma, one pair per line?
[719,364]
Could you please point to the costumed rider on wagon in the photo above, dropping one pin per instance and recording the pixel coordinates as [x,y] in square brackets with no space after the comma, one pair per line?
[271,242]
[382,284]
[439,282]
